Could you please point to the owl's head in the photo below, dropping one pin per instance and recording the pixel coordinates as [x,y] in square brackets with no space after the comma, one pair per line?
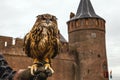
[47,19]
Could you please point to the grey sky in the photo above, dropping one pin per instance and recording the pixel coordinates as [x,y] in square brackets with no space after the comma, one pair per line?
[18,16]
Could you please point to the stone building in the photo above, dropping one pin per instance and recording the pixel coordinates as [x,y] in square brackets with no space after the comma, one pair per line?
[82,58]
[87,39]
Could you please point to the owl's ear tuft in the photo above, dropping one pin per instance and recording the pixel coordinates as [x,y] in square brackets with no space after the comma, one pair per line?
[54,18]
[39,16]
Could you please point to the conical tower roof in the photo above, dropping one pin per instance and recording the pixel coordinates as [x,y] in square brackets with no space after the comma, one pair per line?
[85,10]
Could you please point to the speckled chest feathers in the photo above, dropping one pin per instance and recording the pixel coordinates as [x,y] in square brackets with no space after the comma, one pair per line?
[43,38]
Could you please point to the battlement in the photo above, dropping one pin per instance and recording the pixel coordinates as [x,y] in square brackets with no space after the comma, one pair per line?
[87,23]
[6,41]
[11,46]
[14,46]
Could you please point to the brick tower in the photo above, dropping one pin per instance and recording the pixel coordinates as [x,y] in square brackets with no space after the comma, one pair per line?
[87,41]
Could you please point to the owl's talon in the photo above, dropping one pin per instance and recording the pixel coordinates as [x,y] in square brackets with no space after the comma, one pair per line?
[47,66]
[33,68]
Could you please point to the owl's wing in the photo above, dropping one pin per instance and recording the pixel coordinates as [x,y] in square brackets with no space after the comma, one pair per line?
[26,45]
[57,46]
[30,38]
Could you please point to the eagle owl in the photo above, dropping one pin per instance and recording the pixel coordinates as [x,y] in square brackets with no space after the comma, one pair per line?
[42,42]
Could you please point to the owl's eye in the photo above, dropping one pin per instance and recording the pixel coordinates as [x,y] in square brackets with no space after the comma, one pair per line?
[43,18]
[51,20]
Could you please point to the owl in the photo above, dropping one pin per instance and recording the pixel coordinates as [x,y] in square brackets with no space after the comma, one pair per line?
[42,42]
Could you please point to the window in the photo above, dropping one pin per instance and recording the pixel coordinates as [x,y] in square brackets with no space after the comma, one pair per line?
[5,43]
[13,41]
[93,35]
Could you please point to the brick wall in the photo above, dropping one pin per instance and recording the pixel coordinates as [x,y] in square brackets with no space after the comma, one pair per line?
[64,64]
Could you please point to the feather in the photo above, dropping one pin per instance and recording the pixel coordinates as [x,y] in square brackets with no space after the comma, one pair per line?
[42,41]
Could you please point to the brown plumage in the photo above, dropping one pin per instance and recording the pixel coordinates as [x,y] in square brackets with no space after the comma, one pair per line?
[42,42]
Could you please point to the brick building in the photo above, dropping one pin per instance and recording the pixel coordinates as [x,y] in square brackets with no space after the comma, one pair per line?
[82,58]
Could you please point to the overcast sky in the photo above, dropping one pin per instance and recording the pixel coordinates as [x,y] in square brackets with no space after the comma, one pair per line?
[18,16]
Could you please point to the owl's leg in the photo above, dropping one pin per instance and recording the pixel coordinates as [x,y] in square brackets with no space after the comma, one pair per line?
[34,67]
[48,65]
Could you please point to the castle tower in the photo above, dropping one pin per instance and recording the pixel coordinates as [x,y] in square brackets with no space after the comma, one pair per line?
[87,41]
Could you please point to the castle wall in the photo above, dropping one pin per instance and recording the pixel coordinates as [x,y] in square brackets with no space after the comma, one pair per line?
[65,69]
[18,62]
[19,42]
[64,64]
[5,40]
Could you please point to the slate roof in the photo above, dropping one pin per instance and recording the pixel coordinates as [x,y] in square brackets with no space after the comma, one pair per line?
[85,10]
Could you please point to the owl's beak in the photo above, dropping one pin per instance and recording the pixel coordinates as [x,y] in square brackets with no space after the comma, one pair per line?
[47,21]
